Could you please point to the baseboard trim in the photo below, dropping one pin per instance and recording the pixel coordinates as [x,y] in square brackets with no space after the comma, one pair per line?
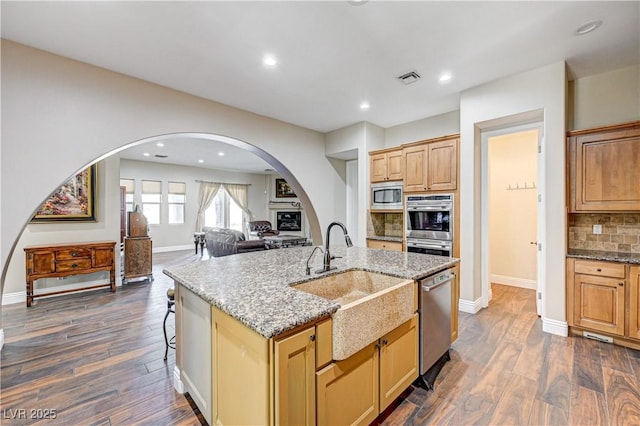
[559,328]
[514,281]
[470,307]
[177,382]
[11,298]
[174,248]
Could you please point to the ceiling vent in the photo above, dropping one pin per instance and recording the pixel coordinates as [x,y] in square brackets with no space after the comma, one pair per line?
[160,156]
[408,78]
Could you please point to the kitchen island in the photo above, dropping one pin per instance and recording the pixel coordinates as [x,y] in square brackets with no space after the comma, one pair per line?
[235,313]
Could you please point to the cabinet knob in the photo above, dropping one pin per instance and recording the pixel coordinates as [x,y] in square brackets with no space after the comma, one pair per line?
[599,269]
[75,265]
[312,337]
[385,341]
[621,283]
[74,254]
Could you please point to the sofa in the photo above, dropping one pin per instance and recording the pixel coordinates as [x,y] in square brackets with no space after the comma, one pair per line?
[223,242]
[261,229]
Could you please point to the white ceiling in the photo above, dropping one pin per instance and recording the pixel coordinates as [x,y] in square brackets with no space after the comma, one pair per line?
[332,55]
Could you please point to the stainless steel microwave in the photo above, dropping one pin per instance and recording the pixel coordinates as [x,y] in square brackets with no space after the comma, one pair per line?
[386,195]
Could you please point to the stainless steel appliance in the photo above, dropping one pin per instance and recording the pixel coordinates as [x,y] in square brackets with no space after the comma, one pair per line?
[386,196]
[429,220]
[435,325]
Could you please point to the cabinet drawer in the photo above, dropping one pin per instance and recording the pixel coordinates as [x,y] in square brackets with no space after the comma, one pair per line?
[384,245]
[73,265]
[69,254]
[604,269]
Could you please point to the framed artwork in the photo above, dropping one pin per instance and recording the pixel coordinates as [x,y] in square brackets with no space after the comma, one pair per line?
[73,201]
[283,189]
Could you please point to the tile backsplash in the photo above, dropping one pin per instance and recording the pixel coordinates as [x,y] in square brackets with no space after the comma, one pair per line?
[620,232]
[385,224]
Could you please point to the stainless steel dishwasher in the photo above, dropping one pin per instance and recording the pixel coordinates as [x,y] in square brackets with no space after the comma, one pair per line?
[435,325]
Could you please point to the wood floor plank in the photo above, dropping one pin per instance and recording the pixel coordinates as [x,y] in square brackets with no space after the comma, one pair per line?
[623,397]
[615,357]
[588,407]
[554,386]
[514,406]
[543,413]
[587,365]
[435,411]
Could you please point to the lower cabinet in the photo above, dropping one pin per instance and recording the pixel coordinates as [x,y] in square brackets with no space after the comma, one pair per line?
[370,380]
[290,380]
[604,297]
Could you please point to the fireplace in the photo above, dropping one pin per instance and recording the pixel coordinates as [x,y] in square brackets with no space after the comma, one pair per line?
[289,221]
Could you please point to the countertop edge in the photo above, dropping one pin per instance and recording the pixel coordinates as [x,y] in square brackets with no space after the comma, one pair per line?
[630,258]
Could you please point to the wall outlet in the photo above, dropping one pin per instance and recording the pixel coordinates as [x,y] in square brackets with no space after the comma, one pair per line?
[597,229]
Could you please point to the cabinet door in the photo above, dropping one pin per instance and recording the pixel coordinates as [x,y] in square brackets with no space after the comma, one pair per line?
[442,171]
[102,256]
[394,165]
[378,167]
[415,177]
[606,171]
[398,361]
[295,393]
[41,262]
[599,303]
[347,391]
[137,257]
[634,302]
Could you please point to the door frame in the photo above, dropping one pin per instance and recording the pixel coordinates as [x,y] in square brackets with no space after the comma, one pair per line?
[485,135]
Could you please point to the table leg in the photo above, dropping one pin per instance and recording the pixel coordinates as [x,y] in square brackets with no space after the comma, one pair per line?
[195,241]
[201,247]
[29,293]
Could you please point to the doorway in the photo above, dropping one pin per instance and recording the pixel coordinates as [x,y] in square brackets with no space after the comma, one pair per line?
[511,219]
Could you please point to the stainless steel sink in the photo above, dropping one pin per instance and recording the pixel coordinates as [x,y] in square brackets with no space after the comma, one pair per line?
[371,305]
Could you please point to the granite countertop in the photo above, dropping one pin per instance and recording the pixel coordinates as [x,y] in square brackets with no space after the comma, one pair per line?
[255,287]
[610,256]
[384,238]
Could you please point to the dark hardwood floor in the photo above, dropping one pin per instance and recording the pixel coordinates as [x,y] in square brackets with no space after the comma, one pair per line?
[96,359]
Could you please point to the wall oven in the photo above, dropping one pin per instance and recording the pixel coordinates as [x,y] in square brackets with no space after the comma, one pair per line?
[386,196]
[429,221]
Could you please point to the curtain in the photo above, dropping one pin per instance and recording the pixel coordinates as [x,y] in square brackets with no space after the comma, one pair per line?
[208,191]
[239,194]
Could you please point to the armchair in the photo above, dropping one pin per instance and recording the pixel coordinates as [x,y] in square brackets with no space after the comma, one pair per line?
[261,229]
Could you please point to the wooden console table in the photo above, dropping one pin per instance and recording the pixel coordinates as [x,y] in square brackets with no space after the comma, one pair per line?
[47,261]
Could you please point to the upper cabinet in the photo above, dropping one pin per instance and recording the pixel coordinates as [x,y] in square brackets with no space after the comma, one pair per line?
[603,169]
[431,166]
[386,165]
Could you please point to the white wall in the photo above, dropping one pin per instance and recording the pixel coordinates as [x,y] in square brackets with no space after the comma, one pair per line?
[106,227]
[543,89]
[176,235]
[603,99]
[512,209]
[69,114]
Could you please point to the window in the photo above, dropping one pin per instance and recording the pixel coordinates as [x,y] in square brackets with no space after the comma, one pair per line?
[151,198]
[224,213]
[130,186]
[176,200]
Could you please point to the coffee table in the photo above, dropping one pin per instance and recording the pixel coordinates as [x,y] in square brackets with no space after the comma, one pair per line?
[281,241]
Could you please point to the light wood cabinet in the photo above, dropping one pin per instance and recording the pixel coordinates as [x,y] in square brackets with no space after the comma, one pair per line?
[431,166]
[634,302]
[370,380]
[384,245]
[386,165]
[398,361]
[603,168]
[275,377]
[295,385]
[596,295]
[347,391]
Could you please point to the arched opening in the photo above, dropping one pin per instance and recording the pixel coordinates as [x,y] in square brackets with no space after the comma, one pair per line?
[312,218]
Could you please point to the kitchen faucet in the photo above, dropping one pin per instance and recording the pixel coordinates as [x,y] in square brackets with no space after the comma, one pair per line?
[327,255]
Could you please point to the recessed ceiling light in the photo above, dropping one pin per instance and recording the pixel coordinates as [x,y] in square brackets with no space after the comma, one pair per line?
[200,161]
[221,154]
[356,2]
[160,144]
[146,154]
[269,61]
[365,106]
[445,77]
[588,27]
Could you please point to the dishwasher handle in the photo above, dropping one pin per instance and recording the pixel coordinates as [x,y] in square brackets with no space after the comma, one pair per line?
[441,281]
